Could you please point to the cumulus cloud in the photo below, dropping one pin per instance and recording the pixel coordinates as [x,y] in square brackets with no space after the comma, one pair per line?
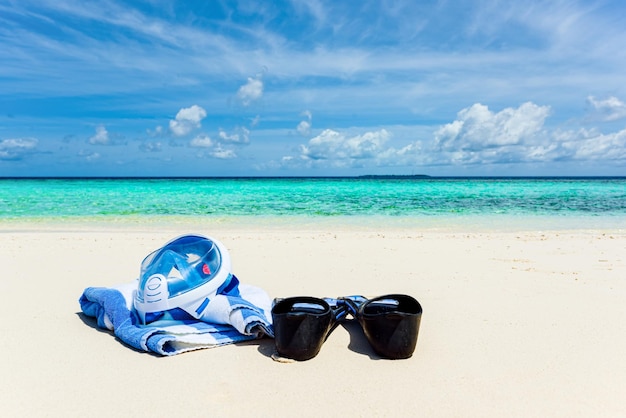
[17,148]
[157,132]
[251,91]
[591,145]
[334,145]
[241,135]
[191,118]
[187,119]
[213,148]
[304,127]
[477,136]
[201,141]
[223,154]
[89,155]
[150,146]
[101,136]
[477,128]
[609,109]
[409,155]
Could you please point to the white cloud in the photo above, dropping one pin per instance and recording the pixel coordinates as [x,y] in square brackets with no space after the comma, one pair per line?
[150,146]
[101,137]
[92,157]
[16,148]
[590,145]
[408,155]
[609,109]
[333,145]
[240,136]
[157,132]
[88,155]
[304,127]
[201,141]
[223,154]
[477,128]
[187,119]
[479,136]
[212,148]
[251,91]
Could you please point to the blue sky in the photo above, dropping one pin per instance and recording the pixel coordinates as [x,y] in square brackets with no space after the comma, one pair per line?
[312,87]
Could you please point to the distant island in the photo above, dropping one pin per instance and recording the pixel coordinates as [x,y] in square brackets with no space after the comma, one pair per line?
[394,176]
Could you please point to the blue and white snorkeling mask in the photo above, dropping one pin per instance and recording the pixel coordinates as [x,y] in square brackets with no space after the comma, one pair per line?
[185,273]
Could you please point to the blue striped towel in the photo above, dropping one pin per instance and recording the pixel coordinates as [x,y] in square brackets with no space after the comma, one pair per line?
[238,316]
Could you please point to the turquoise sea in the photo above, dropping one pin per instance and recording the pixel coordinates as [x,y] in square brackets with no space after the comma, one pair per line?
[411,201]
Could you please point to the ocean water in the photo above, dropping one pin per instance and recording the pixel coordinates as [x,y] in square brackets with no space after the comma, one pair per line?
[429,202]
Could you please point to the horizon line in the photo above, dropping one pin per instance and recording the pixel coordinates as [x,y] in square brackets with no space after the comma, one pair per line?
[364,176]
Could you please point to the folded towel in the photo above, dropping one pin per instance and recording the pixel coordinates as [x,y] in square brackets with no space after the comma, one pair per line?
[228,318]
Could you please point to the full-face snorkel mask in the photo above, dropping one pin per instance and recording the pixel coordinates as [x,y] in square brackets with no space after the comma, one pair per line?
[185,273]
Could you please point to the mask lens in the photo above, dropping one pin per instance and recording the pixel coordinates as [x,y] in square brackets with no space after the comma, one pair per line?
[186,263]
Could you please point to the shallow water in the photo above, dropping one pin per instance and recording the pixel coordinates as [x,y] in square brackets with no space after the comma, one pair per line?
[433,203]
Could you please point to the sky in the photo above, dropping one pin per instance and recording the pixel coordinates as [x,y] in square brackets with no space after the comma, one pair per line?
[312,88]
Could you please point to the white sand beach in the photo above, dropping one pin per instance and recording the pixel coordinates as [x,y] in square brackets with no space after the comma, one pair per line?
[515,324]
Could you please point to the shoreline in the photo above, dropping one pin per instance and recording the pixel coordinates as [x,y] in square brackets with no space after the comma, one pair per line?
[431,223]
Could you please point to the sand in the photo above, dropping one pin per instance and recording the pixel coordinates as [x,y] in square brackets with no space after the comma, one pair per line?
[515,323]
